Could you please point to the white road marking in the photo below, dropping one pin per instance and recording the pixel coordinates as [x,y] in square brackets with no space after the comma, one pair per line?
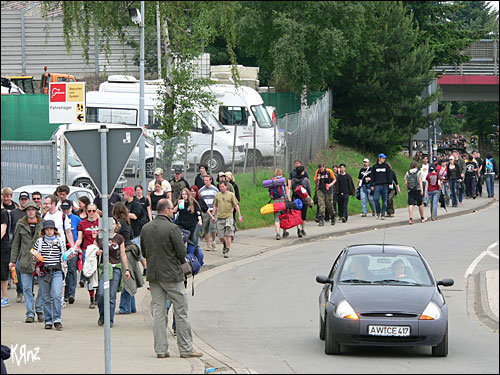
[476,261]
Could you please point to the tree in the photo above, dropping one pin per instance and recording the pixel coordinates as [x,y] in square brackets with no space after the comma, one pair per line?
[378,98]
[476,16]
[481,119]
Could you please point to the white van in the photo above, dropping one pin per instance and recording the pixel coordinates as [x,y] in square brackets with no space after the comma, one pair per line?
[123,108]
[242,107]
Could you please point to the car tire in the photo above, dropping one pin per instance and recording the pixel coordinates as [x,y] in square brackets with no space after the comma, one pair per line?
[331,346]
[85,183]
[441,349]
[321,328]
[250,158]
[216,163]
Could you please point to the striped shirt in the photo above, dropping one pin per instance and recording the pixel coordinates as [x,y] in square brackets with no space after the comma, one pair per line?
[208,195]
[50,250]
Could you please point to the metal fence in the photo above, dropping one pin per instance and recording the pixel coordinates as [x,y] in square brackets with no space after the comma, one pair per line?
[306,132]
[28,163]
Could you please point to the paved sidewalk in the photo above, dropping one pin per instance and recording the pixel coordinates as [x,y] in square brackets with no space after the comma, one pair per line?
[80,346]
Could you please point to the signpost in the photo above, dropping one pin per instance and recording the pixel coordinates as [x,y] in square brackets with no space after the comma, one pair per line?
[104,168]
[66,102]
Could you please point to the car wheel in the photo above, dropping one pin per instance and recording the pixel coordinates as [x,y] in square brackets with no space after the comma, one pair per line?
[331,346]
[216,162]
[321,328]
[250,158]
[85,183]
[441,349]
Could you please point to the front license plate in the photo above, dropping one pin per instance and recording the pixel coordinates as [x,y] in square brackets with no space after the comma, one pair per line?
[389,330]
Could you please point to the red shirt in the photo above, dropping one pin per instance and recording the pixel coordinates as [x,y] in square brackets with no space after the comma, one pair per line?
[432,180]
[87,227]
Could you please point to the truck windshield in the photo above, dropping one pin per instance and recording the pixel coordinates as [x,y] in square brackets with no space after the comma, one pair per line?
[262,117]
[211,120]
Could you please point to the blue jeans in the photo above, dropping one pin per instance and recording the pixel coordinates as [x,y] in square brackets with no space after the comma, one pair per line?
[196,235]
[51,292]
[453,192]
[461,189]
[365,193]
[71,277]
[424,183]
[380,191]
[490,183]
[113,288]
[127,303]
[28,284]
[434,200]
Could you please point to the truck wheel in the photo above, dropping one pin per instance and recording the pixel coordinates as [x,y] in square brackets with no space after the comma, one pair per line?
[85,183]
[250,158]
[216,163]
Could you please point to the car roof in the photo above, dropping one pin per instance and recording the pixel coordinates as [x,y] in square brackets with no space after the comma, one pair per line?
[382,248]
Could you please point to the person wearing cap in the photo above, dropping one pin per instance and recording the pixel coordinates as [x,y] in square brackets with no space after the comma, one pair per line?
[15,215]
[364,183]
[51,247]
[433,191]
[27,232]
[222,177]
[178,184]
[382,181]
[71,277]
[165,185]
[452,178]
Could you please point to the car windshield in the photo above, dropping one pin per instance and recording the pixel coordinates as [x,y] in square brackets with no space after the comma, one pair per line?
[393,269]
[262,116]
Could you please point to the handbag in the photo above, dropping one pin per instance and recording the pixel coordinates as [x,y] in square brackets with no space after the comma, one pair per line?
[290,219]
[358,193]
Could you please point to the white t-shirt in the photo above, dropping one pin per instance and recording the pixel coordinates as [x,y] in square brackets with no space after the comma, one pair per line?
[425,171]
[165,185]
[57,217]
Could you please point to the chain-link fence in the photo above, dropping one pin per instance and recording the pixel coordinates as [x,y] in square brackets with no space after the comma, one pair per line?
[305,132]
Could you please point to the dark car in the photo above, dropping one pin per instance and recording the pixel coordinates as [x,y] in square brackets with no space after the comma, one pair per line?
[382,295]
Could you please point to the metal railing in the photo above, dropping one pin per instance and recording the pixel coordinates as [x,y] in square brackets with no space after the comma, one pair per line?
[484,60]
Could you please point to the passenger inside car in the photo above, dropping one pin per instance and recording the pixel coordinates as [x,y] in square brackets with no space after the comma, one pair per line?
[358,268]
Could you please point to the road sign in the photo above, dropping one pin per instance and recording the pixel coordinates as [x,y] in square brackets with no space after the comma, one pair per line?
[120,142]
[66,102]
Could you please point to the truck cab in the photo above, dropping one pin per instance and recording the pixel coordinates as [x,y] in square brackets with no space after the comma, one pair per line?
[54,77]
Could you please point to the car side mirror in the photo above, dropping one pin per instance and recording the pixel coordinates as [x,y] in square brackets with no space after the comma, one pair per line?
[446,282]
[323,280]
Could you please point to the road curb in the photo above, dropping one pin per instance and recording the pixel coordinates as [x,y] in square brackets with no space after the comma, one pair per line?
[481,304]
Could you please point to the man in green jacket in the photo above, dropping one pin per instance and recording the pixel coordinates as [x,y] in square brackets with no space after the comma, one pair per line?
[164,250]
[27,232]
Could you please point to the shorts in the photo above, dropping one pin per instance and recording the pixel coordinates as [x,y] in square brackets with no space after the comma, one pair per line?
[278,213]
[415,198]
[225,227]
[208,226]
[5,264]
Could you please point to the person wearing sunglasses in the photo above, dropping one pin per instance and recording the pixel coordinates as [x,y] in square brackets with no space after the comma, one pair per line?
[88,230]
[36,197]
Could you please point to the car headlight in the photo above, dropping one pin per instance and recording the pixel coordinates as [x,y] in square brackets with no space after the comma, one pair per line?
[431,312]
[344,310]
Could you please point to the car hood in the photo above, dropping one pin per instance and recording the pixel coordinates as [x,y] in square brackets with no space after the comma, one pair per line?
[387,298]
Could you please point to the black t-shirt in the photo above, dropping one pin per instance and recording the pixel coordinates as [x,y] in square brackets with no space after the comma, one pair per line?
[363,174]
[145,203]
[15,216]
[135,207]
[11,206]
[5,243]
[469,168]
[324,178]
[114,198]
[156,198]
[126,232]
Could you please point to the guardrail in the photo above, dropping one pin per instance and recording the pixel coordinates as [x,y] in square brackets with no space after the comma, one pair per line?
[484,60]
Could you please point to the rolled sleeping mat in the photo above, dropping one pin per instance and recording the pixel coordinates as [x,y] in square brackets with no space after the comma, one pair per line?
[274,182]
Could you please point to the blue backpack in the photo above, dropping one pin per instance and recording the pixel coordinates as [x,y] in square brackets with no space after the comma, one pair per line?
[277,192]
[194,257]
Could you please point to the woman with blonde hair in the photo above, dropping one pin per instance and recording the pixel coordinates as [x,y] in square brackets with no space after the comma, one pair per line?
[189,213]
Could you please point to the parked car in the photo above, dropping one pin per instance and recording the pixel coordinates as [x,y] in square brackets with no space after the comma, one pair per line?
[382,295]
[75,192]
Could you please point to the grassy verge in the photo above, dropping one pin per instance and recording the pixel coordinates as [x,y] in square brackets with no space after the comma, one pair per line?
[253,197]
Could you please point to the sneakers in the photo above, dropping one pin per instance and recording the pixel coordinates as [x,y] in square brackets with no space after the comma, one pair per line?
[373,213]
[423,219]
[322,221]
[285,234]
[434,218]
[71,300]
[344,219]
[30,319]
[192,355]
[63,304]
[382,217]
[299,233]
[332,222]
[5,302]
[48,326]
[214,246]
[100,322]
[363,214]
[278,236]
[225,251]
[411,221]
[82,283]
[58,326]
[92,303]
[164,355]
[304,232]
[19,298]
[40,317]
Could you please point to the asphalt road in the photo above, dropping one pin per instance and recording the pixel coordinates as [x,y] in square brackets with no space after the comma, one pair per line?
[264,313]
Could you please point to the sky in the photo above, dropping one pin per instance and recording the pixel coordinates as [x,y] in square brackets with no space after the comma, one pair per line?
[495,4]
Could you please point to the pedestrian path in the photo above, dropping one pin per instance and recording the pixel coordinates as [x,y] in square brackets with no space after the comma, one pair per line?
[80,346]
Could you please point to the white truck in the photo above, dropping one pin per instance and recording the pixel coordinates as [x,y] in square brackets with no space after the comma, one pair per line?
[123,108]
[240,107]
